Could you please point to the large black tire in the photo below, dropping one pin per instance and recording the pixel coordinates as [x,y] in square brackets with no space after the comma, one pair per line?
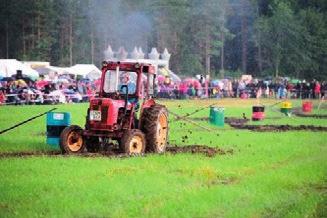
[155,127]
[133,142]
[71,140]
[92,144]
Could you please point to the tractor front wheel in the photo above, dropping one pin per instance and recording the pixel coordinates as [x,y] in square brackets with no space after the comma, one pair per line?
[133,142]
[71,140]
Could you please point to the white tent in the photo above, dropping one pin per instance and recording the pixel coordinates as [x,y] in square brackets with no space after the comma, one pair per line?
[52,69]
[89,71]
[9,67]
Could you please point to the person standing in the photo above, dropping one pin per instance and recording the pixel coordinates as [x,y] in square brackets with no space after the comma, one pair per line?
[311,87]
[317,90]
[323,89]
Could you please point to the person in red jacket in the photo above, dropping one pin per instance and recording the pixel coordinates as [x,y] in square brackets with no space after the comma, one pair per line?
[317,89]
[2,97]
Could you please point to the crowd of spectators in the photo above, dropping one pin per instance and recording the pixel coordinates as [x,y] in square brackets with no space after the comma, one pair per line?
[19,90]
[64,89]
[243,89]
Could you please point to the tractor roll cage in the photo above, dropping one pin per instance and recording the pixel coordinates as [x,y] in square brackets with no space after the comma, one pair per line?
[148,69]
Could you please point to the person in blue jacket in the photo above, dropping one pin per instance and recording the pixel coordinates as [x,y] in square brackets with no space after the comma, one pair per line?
[125,80]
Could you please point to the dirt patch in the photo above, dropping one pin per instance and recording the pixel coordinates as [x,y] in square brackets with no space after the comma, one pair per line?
[279,128]
[29,153]
[239,123]
[202,149]
[236,121]
[228,120]
[193,149]
[318,116]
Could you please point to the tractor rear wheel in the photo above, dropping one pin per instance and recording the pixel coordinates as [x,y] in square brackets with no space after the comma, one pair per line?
[155,127]
[71,140]
[133,142]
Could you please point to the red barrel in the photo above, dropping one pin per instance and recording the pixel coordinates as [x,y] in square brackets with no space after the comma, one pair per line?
[307,107]
[258,113]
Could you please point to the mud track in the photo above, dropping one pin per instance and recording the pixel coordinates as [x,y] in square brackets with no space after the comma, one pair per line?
[318,116]
[227,119]
[236,121]
[240,123]
[195,149]
[279,128]
[173,149]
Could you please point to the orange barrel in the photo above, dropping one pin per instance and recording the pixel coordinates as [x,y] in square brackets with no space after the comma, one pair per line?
[258,113]
[307,107]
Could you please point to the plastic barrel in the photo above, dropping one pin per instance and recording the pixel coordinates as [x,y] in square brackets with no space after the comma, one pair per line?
[286,108]
[285,111]
[258,113]
[217,116]
[307,107]
[56,122]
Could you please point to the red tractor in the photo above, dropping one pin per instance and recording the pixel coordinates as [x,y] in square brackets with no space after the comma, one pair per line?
[127,89]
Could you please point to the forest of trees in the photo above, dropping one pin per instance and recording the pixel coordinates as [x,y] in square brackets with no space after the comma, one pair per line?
[220,37]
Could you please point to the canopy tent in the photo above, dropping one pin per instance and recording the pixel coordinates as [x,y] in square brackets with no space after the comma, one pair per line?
[46,70]
[43,70]
[9,67]
[89,71]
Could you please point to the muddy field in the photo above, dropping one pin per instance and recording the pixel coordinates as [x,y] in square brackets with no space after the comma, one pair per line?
[115,153]
[279,128]
[241,123]
[317,116]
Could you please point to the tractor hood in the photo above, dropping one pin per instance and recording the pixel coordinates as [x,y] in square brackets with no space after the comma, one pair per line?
[103,113]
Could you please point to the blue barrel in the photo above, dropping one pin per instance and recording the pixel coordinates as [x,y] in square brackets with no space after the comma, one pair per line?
[56,122]
[217,116]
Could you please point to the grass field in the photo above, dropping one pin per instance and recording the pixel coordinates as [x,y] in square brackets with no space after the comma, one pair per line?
[269,174]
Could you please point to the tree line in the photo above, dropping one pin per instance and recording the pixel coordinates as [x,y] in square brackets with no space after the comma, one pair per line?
[216,37]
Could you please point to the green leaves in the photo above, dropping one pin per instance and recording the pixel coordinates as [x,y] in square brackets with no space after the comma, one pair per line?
[287,37]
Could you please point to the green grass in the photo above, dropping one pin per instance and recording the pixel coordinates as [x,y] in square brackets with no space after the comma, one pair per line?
[269,174]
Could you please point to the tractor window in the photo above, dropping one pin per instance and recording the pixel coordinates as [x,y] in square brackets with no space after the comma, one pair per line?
[110,82]
[114,81]
[151,84]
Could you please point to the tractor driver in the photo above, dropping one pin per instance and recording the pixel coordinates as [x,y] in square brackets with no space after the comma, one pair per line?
[125,80]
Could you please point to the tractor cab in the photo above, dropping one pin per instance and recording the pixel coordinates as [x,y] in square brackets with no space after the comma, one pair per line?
[131,79]
[123,85]
[113,115]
